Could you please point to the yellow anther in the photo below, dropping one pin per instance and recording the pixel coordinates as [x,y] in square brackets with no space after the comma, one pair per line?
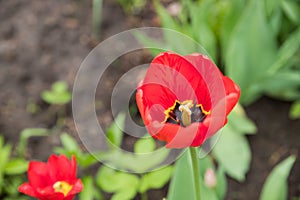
[63,187]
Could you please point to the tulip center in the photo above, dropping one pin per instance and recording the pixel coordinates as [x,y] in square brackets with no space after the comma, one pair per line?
[63,187]
[184,113]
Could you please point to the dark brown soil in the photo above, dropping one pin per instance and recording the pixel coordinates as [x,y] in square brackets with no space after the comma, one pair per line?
[45,41]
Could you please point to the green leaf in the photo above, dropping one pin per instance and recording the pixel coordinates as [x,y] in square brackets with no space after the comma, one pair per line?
[86,160]
[221,183]
[16,166]
[292,10]
[275,21]
[156,179]
[138,163]
[89,191]
[181,186]
[286,51]
[113,181]
[167,20]
[11,183]
[275,187]
[154,46]
[59,87]
[295,110]
[176,42]
[205,163]
[115,132]
[250,52]
[126,194]
[207,193]
[4,158]
[26,134]
[234,10]
[272,6]
[232,151]
[69,143]
[281,81]
[240,122]
[144,145]
[58,94]
[201,28]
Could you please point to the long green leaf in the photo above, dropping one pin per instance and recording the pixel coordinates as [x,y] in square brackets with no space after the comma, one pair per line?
[272,6]
[16,166]
[275,187]
[286,51]
[115,131]
[251,50]
[232,151]
[240,122]
[283,80]
[5,152]
[292,10]
[234,10]
[201,28]
[181,186]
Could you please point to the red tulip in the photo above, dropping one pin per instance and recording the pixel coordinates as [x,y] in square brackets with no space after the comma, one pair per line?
[54,180]
[183,100]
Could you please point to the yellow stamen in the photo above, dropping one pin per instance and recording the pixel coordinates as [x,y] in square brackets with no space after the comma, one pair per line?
[63,187]
[169,110]
[204,111]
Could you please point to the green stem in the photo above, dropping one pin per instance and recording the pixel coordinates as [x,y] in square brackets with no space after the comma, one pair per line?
[196,173]
[97,18]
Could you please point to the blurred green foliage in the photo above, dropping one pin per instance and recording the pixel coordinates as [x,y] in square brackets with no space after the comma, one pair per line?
[58,94]
[132,7]
[122,184]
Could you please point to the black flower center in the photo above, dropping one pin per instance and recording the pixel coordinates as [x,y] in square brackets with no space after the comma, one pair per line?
[185,113]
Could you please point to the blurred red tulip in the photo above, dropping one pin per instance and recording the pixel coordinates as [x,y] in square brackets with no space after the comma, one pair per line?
[54,180]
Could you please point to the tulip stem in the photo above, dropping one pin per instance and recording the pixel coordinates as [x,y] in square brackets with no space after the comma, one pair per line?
[196,173]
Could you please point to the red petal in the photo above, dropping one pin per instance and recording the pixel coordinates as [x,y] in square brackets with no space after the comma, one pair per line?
[61,168]
[177,136]
[71,197]
[211,76]
[73,169]
[27,189]
[77,187]
[232,94]
[38,175]
[224,93]
[172,77]
[157,99]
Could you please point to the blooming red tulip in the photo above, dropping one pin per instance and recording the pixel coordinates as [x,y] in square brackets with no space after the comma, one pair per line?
[183,100]
[54,180]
